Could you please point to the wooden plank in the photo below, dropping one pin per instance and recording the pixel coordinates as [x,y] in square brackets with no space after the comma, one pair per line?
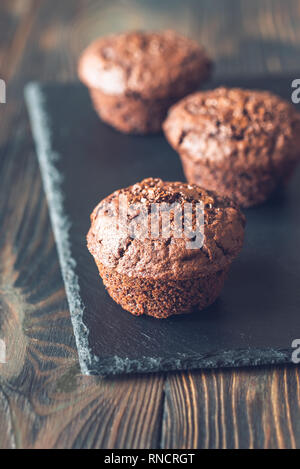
[43,395]
[253,408]
[43,402]
[229,409]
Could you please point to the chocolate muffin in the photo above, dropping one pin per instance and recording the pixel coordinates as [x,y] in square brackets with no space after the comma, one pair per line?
[134,77]
[165,272]
[241,143]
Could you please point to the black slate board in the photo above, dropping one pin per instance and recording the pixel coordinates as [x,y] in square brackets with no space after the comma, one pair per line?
[258,314]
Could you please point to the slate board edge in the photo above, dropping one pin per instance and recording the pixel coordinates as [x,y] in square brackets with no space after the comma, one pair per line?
[224,359]
[52,180]
[89,363]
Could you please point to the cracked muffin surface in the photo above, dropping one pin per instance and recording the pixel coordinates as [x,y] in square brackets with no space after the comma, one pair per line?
[161,276]
[239,142]
[134,77]
[143,64]
[170,257]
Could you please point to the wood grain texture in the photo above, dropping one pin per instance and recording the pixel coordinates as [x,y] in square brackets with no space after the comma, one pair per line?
[44,402]
[232,409]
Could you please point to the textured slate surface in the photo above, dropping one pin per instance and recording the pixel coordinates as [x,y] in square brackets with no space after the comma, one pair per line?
[257,316]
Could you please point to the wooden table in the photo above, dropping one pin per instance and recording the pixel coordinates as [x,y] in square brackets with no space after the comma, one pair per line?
[44,401]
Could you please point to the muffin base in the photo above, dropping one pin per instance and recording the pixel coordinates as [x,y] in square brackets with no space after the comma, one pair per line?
[130,114]
[162,299]
[247,188]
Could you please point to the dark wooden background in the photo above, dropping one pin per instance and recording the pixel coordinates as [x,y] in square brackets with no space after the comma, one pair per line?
[44,401]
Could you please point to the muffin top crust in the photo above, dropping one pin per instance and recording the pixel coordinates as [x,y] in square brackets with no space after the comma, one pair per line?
[166,256]
[235,128]
[143,64]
